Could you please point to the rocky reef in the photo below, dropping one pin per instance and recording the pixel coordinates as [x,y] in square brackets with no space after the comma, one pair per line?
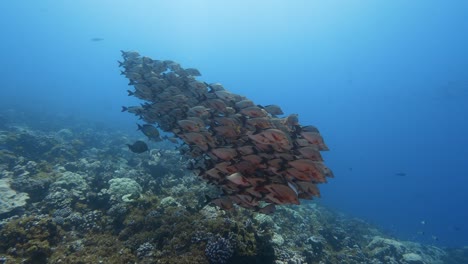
[78,195]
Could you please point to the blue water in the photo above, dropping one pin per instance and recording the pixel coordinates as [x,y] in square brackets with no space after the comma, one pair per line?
[386,82]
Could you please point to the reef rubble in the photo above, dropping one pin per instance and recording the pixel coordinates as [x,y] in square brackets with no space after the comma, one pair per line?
[93,201]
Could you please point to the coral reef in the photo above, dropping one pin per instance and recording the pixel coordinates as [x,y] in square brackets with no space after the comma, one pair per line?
[124,189]
[103,204]
[9,198]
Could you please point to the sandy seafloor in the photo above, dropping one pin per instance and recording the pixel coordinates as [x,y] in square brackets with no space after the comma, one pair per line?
[72,192]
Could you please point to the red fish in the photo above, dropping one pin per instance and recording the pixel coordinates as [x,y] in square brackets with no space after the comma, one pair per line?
[311,153]
[253,111]
[238,179]
[315,139]
[310,168]
[225,153]
[281,194]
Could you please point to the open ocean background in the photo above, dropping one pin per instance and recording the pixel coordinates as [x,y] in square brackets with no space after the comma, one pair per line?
[386,82]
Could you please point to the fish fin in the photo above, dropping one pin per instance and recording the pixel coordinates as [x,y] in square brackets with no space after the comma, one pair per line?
[209,86]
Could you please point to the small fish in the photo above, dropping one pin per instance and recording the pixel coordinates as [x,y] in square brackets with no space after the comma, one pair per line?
[136,110]
[192,72]
[238,179]
[315,138]
[191,125]
[150,131]
[273,110]
[244,104]
[281,194]
[269,209]
[253,111]
[311,153]
[97,39]
[138,147]
[223,202]
[401,174]
[130,54]
[225,153]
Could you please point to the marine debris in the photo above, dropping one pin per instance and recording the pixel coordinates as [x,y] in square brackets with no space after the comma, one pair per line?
[258,159]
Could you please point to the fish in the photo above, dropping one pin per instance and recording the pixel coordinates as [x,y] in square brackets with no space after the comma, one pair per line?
[222,202]
[150,131]
[192,72]
[190,125]
[96,39]
[138,147]
[273,110]
[268,209]
[253,111]
[199,111]
[281,194]
[401,174]
[311,153]
[225,153]
[257,159]
[238,179]
[137,110]
[244,104]
[314,138]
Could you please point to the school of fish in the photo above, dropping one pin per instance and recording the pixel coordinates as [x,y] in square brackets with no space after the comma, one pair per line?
[256,157]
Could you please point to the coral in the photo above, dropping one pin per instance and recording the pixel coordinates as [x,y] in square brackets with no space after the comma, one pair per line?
[124,189]
[95,248]
[219,250]
[412,258]
[33,178]
[144,250]
[30,238]
[65,134]
[9,198]
[68,189]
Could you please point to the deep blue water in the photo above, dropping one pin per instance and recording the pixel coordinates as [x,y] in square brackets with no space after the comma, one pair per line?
[386,82]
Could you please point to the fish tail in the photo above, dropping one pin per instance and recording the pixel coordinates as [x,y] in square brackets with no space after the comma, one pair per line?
[130,93]
[124,109]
